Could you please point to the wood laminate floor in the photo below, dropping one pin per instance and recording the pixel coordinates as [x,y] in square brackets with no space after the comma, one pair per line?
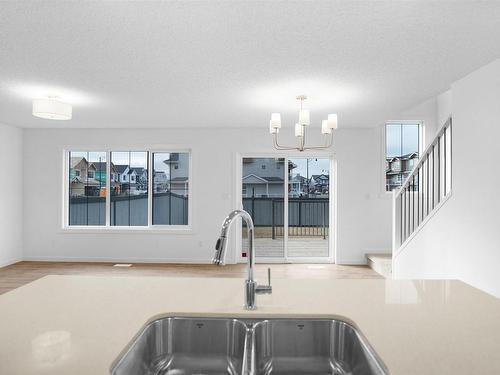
[22,273]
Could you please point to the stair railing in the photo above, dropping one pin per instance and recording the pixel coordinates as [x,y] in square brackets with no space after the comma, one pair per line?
[425,189]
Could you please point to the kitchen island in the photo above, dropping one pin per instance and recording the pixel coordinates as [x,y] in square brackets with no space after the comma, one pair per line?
[80,324]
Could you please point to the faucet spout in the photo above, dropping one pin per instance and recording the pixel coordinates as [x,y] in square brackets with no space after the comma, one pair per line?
[251,287]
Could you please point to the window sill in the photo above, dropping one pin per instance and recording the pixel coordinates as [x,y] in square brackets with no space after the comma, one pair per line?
[188,230]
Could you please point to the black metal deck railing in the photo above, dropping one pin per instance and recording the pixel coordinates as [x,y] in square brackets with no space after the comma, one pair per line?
[306,216]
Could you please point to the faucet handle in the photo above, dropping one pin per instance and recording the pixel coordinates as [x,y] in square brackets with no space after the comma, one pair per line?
[265,289]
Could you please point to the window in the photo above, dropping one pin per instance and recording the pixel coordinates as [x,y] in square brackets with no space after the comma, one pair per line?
[170,188]
[126,197]
[402,140]
[87,200]
[129,200]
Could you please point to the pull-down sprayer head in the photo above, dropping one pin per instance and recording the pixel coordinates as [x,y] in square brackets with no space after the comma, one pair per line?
[221,245]
[220,251]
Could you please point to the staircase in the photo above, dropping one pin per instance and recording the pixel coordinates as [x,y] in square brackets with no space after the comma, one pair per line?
[381,263]
[426,189]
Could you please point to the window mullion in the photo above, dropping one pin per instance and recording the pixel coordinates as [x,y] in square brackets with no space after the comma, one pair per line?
[150,190]
[108,188]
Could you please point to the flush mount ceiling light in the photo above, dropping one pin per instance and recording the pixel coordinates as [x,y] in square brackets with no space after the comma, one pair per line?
[52,108]
[327,127]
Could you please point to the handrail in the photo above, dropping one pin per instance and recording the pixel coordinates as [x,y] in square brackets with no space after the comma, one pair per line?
[425,188]
[425,154]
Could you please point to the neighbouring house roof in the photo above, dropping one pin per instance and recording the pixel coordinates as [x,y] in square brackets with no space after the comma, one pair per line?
[120,168]
[101,166]
[320,177]
[391,172]
[254,179]
[298,178]
[138,171]
[75,160]
[86,181]
[252,160]
[262,179]
[76,179]
[411,155]
[273,179]
[173,158]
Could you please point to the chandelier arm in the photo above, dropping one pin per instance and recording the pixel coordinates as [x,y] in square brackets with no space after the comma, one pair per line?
[303,138]
[302,147]
[277,146]
[328,144]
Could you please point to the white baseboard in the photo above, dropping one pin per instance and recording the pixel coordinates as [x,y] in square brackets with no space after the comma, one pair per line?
[351,262]
[115,260]
[378,251]
[8,262]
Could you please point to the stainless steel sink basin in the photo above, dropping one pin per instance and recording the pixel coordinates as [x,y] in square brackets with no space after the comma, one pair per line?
[313,347]
[183,346]
[219,346]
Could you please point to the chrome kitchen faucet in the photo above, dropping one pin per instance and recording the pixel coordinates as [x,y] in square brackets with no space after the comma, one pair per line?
[251,286]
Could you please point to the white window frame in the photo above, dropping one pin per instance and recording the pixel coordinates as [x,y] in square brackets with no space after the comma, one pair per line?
[421,126]
[333,219]
[108,228]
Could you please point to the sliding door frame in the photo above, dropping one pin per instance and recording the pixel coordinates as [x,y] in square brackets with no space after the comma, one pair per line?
[333,222]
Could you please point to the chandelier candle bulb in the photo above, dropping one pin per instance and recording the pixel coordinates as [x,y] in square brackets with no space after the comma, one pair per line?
[304,117]
[332,121]
[275,120]
[272,128]
[325,129]
[299,130]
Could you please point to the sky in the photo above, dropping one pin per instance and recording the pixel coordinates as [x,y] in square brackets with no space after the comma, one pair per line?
[316,166]
[401,139]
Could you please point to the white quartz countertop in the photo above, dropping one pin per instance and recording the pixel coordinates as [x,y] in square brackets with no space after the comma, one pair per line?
[79,324]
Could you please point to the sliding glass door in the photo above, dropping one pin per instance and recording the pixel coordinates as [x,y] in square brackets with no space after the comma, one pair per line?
[289,201]
[263,194]
[308,208]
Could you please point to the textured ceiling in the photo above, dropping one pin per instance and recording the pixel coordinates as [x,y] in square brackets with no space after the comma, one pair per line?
[229,64]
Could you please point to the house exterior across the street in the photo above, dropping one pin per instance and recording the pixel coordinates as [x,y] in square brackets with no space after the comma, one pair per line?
[398,168]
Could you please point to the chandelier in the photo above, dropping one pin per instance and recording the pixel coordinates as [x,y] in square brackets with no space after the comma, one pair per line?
[327,127]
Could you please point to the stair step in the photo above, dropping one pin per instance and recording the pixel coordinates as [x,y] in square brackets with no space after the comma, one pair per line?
[381,263]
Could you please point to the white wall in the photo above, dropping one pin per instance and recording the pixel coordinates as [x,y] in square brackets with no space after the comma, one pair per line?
[444,107]
[462,240]
[432,112]
[427,113]
[11,188]
[364,210]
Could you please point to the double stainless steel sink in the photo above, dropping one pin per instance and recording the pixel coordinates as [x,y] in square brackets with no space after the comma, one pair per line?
[210,346]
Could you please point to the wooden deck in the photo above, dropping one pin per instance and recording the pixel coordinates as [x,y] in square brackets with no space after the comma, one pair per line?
[300,247]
